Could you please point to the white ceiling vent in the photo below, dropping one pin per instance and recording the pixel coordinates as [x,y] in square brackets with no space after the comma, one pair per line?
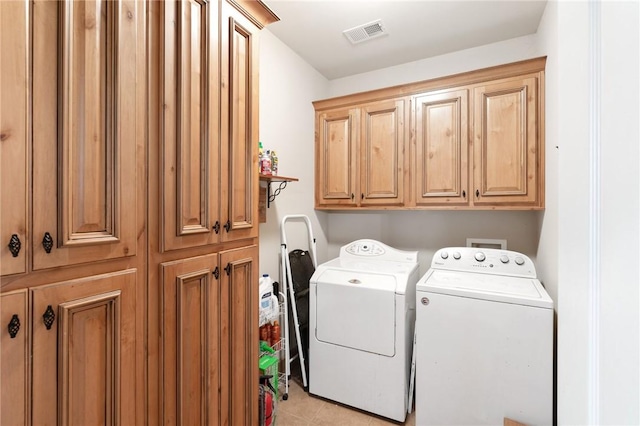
[365,32]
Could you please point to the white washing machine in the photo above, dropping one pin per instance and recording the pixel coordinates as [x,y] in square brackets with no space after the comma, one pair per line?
[484,337]
[361,319]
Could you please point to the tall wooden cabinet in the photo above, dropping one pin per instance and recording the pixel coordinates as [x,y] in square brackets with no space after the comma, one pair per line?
[360,154]
[203,211]
[73,225]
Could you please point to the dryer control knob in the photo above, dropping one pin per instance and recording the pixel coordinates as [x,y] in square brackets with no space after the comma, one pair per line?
[504,258]
[456,255]
[519,260]
[480,257]
[444,255]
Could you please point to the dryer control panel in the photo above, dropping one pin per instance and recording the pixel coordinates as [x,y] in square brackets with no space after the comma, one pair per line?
[375,249]
[484,260]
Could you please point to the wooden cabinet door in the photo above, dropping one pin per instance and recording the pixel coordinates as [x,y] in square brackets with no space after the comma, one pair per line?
[14,134]
[84,351]
[382,147]
[505,158]
[441,132]
[190,316]
[239,336]
[336,157]
[87,112]
[14,364]
[239,184]
[189,148]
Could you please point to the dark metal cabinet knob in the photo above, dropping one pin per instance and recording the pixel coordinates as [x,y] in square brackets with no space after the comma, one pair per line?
[227,269]
[216,227]
[216,272]
[14,245]
[48,317]
[227,226]
[14,326]
[47,242]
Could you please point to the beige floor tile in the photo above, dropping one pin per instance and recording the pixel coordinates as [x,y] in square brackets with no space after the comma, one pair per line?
[334,414]
[300,404]
[284,418]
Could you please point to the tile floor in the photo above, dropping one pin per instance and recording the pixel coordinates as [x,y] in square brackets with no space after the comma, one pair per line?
[304,409]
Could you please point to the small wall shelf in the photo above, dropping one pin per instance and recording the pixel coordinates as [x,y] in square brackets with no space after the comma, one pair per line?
[266,198]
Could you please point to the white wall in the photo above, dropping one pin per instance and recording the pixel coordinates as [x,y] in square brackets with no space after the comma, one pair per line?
[288,85]
[598,277]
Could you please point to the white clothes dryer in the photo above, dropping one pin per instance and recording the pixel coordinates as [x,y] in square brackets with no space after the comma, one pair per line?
[484,340]
[361,316]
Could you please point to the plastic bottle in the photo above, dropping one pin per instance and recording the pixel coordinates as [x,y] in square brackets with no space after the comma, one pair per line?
[275,333]
[260,155]
[266,291]
[265,163]
[274,163]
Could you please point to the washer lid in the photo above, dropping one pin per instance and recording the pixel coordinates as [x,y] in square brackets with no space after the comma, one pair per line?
[521,291]
[356,310]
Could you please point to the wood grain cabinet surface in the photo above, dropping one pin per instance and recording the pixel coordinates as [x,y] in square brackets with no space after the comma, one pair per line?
[203,216]
[476,142]
[360,154]
[73,176]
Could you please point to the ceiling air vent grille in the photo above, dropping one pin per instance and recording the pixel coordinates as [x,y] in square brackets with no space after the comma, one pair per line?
[365,32]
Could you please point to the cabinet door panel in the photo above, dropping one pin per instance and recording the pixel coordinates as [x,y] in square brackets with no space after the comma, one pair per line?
[84,135]
[84,364]
[336,162]
[505,145]
[239,126]
[14,133]
[14,364]
[239,324]
[190,324]
[441,148]
[382,144]
[189,188]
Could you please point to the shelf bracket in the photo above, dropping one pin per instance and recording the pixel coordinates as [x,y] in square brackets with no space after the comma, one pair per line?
[271,196]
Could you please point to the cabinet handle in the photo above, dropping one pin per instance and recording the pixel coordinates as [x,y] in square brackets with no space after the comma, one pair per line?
[227,226]
[14,326]
[477,194]
[227,269]
[49,317]
[362,196]
[216,227]
[464,194]
[14,245]
[47,242]
[216,272]
[352,196]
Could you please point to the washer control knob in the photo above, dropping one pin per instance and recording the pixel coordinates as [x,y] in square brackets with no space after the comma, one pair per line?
[519,260]
[456,255]
[504,258]
[444,255]
[480,257]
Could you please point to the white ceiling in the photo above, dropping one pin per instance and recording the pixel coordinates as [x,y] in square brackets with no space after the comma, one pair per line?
[417,29]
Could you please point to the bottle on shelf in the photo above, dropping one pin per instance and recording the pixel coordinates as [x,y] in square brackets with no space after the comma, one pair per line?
[274,163]
[265,163]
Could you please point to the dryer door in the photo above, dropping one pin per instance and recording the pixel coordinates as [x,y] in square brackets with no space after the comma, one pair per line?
[356,310]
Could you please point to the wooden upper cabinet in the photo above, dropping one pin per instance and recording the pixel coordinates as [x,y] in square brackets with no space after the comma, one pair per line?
[86,116]
[441,135]
[382,147]
[336,157]
[360,155]
[84,351]
[239,125]
[190,148]
[476,141]
[506,143]
[14,135]
[15,399]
